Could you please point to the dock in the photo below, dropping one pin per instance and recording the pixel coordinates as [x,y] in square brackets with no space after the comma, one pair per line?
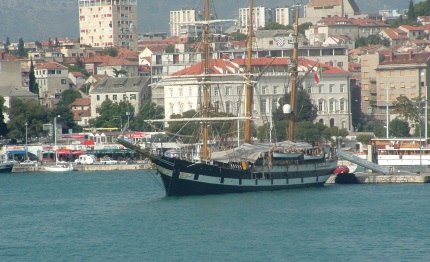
[378,178]
[112,167]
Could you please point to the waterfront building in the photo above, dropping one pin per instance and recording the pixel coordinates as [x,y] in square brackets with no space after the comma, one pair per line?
[52,79]
[108,23]
[135,90]
[331,95]
[386,75]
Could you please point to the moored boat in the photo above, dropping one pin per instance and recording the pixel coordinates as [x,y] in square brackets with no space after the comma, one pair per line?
[59,168]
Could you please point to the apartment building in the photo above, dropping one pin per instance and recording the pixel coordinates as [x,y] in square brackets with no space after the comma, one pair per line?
[317,9]
[385,76]
[108,23]
[282,15]
[261,15]
[180,18]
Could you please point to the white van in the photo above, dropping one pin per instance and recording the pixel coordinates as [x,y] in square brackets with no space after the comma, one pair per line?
[86,160]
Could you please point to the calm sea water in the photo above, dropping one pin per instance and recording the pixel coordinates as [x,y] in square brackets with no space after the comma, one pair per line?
[125,216]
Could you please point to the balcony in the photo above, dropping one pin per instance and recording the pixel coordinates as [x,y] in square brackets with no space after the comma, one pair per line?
[372,80]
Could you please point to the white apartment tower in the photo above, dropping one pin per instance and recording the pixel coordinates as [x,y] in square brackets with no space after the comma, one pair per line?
[108,23]
[181,18]
[282,15]
[261,15]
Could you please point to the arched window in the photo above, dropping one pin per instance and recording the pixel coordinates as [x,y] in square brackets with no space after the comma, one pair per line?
[331,122]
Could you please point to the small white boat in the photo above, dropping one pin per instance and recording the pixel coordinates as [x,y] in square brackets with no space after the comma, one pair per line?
[59,168]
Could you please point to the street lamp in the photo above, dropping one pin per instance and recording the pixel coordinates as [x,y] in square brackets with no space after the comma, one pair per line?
[55,130]
[128,120]
[26,143]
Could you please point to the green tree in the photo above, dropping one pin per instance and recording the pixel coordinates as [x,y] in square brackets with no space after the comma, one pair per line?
[405,108]
[119,72]
[399,128]
[305,110]
[50,44]
[3,126]
[79,66]
[38,45]
[309,132]
[371,40]
[411,11]
[65,119]
[69,96]
[274,26]
[21,51]
[28,111]
[109,111]
[170,49]
[238,36]
[32,84]
[57,43]
[422,8]
[364,139]
[111,51]
[7,44]
[303,27]
[149,110]
[186,130]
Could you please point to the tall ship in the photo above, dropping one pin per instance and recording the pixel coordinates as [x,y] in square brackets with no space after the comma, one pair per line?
[250,166]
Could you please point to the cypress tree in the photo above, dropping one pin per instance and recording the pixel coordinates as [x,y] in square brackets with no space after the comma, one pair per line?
[32,84]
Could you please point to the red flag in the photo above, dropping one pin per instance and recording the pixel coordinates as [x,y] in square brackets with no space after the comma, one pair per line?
[318,74]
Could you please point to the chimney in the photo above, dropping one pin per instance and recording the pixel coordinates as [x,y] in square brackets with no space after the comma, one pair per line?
[391,56]
[410,54]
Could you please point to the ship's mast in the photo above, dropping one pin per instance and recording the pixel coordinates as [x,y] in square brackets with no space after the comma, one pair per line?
[294,74]
[206,86]
[249,86]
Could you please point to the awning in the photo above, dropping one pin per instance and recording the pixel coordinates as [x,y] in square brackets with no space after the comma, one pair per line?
[78,152]
[74,136]
[64,152]
[17,152]
[87,142]
[136,135]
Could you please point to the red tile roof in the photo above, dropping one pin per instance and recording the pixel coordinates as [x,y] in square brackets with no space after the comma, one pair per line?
[78,114]
[51,65]
[220,66]
[406,58]
[81,102]
[395,34]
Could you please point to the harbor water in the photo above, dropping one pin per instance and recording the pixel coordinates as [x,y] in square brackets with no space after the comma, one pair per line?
[125,216]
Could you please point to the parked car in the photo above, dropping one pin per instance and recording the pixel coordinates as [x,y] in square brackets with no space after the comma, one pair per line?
[86,160]
[108,161]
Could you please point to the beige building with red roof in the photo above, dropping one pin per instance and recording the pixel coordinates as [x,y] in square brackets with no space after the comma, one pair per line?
[386,76]
[331,95]
[395,36]
[81,109]
[52,79]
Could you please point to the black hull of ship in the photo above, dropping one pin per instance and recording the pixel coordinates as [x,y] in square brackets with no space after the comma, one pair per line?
[181,178]
[6,168]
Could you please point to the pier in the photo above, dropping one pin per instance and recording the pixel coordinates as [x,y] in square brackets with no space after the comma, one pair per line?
[39,168]
[378,178]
